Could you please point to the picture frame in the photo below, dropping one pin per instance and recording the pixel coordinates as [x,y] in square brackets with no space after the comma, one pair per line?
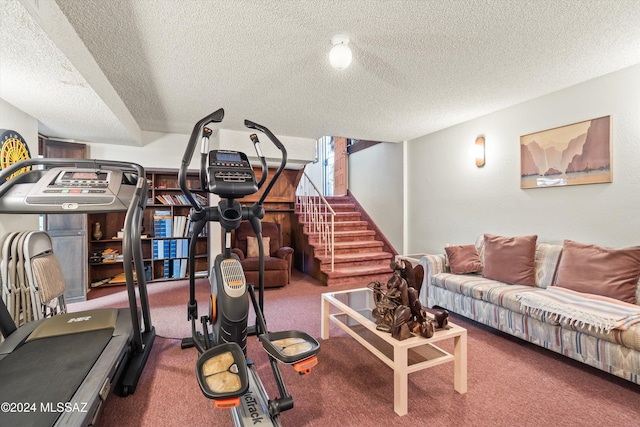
[575,154]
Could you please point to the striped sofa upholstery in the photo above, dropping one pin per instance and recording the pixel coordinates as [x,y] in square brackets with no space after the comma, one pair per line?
[494,304]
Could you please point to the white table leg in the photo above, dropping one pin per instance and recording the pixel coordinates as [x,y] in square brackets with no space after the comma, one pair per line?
[460,363]
[400,381]
[324,320]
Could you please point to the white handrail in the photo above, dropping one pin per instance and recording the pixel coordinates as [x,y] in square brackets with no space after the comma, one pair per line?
[316,210]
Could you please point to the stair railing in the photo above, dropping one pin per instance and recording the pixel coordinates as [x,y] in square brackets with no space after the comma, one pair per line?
[317,212]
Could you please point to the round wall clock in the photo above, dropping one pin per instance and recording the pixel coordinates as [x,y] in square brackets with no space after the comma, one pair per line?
[14,148]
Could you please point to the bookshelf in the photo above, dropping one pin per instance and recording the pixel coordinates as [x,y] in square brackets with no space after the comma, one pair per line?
[166,231]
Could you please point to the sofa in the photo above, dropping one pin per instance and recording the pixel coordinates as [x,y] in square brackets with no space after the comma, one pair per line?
[602,281]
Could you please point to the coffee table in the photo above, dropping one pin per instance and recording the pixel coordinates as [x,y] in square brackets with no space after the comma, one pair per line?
[404,357]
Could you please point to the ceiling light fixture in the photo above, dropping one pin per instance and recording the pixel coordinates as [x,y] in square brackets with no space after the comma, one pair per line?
[340,55]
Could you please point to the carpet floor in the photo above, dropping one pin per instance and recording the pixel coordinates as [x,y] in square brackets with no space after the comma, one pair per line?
[510,382]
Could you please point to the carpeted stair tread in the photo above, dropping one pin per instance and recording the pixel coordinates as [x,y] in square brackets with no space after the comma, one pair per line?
[359,270]
[342,225]
[354,257]
[337,207]
[351,244]
[343,236]
[340,216]
[358,276]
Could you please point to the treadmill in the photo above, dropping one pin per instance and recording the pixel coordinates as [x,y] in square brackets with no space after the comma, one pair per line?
[59,371]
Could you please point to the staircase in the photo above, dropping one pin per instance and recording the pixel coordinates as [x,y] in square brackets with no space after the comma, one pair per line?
[361,254]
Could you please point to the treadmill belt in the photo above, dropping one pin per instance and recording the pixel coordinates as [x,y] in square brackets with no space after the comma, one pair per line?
[41,376]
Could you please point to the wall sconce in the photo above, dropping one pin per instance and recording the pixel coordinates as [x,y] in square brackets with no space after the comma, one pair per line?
[478,151]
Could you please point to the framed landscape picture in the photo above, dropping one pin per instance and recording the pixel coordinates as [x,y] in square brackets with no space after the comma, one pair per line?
[569,155]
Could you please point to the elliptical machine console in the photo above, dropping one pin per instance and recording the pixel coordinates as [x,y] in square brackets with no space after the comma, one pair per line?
[224,373]
[230,174]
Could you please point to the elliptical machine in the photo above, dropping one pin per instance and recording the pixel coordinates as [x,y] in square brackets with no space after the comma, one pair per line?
[224,373]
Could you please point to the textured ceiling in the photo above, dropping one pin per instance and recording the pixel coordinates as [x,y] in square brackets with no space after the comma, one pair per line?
[108,69]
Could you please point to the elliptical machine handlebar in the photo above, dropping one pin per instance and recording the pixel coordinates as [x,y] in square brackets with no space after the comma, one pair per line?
[278,144]
[215,117]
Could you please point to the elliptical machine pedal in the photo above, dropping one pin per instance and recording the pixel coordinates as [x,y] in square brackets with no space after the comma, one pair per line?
[295,348]
[222,374]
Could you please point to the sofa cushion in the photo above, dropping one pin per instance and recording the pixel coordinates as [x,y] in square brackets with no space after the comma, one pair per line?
[510,259]
[599,270]
[492,291]
[546,263]
[463,259]
[472,285]
[270,263]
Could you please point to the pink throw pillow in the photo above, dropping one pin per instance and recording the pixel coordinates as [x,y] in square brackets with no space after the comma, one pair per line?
[463,259]
[510,259]
[599,270]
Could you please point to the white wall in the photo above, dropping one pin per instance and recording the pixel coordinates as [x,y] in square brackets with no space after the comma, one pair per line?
[376,181]
[452,201]
[165,150]
[13,119]
[315,173]
[159,150]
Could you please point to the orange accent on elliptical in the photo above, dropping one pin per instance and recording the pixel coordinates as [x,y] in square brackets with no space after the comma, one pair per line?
[227,403]
[304,367]
[214,309]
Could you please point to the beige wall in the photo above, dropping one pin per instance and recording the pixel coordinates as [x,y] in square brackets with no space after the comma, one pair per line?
[375,180]
[452,201]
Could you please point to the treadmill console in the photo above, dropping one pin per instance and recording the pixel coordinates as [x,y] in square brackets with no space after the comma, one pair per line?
[70,188]
[230,174]
[82,179]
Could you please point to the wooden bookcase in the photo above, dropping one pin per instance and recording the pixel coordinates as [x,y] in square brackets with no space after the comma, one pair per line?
[164,197]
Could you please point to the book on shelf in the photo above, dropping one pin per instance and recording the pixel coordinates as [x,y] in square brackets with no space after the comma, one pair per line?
[183,268]
[179,226]
[178,199]
[162,223]
[166,269]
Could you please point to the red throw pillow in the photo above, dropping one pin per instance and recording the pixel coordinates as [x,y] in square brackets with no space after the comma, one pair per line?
[510,259]
[463,259]
[598,270]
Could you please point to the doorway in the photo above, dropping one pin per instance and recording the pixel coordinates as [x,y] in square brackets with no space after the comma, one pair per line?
[334,165]
[327,159]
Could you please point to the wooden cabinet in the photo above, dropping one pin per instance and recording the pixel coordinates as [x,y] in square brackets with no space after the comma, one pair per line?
[165,231]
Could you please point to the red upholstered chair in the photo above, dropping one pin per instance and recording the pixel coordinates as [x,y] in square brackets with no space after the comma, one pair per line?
[277,258]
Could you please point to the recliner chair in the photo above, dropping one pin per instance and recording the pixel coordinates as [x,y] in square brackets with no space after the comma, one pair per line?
[278,259]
